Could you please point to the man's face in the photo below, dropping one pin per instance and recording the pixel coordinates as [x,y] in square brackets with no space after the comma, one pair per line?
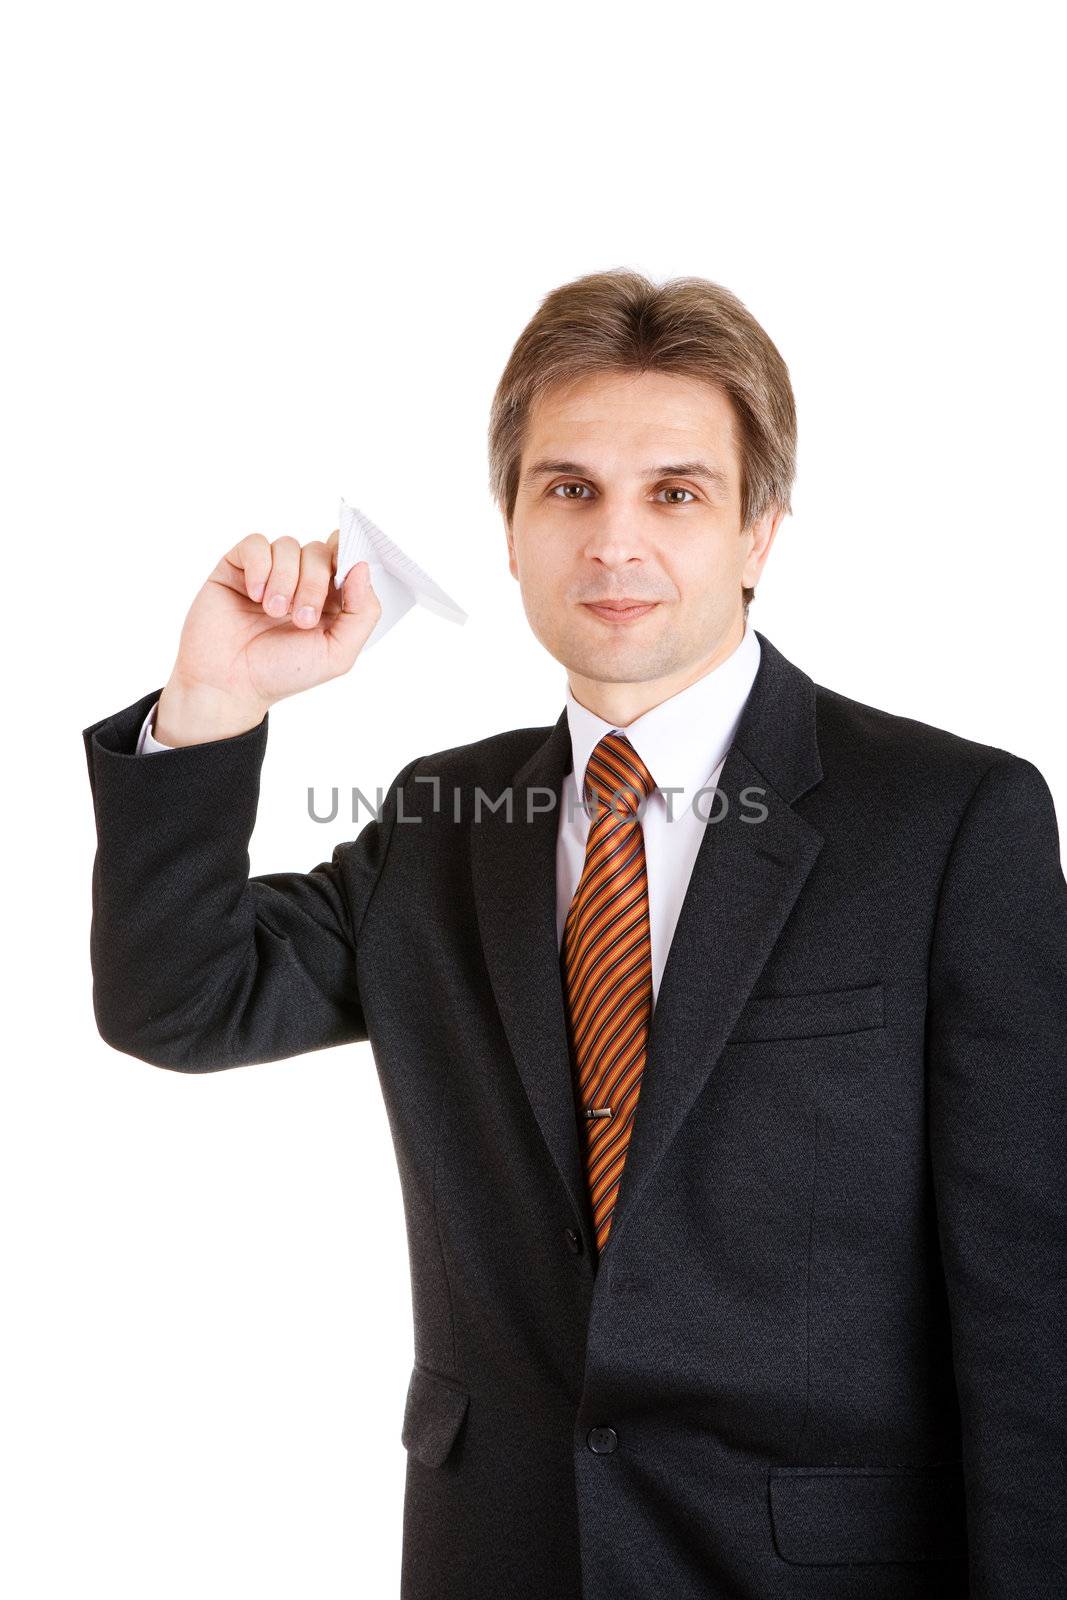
[629,491]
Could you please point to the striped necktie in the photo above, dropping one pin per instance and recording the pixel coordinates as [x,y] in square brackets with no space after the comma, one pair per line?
[606,955]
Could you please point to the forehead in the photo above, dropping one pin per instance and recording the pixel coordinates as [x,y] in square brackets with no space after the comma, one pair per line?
[620,414]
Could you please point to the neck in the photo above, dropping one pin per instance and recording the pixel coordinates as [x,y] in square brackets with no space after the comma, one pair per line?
[622,703]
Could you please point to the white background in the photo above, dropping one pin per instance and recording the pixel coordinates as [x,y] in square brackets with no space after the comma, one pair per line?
[266,257]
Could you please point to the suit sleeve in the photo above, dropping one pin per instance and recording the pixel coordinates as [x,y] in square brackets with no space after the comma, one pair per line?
[996,1077]
[196,965]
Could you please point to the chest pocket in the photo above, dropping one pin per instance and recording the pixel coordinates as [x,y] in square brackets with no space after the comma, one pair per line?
[816,1015]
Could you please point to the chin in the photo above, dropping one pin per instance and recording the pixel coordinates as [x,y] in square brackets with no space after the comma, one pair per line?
[614,666]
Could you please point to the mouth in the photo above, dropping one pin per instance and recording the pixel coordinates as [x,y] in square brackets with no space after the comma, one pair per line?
[620,610]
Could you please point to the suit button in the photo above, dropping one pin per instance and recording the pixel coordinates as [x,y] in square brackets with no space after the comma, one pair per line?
[574,1241]
[602,1441]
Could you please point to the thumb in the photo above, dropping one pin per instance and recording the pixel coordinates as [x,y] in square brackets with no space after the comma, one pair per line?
[350,628]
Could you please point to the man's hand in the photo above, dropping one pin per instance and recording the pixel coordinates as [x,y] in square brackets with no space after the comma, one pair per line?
[267,623]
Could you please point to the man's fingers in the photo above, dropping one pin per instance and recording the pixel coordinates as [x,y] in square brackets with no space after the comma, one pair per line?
[356,588]
[316,571]
[247,566]
[284,575]
[352,626]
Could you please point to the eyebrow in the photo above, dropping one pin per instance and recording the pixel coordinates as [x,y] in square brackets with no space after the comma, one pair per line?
[677,469]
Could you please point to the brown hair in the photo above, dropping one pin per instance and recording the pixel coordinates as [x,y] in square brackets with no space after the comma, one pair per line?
[620,321]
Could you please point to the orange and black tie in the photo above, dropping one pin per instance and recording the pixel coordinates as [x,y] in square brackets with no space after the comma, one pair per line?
[606,958]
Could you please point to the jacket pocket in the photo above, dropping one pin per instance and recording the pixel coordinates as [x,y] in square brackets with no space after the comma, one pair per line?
[835,1515]
[433,1411]
[810,1016]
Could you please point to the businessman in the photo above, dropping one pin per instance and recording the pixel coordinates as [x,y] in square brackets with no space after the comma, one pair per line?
[722,1025]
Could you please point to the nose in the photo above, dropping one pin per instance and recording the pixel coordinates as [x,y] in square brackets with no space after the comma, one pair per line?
[612,538]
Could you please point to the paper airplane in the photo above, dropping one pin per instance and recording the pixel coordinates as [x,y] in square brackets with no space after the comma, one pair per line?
[395,578]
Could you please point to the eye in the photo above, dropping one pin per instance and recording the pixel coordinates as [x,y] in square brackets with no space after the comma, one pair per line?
[676,488]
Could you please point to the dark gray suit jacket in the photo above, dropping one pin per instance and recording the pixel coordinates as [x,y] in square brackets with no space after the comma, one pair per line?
[822,1353]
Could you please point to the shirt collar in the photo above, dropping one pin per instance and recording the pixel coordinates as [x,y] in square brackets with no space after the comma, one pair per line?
[683,739]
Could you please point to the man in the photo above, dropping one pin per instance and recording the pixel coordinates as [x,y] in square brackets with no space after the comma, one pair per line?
[721,1025]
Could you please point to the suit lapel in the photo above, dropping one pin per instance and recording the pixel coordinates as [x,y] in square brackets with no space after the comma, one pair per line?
[745,881]
[513,864]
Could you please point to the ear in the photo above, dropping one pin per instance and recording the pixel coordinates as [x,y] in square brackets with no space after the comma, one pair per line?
[761,533]
[513,566]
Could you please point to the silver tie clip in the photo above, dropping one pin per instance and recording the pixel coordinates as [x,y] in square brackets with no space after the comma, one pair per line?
[597,1111]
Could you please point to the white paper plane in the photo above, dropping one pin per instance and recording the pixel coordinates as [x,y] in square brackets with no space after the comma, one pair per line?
[395,578]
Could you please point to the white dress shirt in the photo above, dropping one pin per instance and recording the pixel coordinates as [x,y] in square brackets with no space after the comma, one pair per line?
[683,742]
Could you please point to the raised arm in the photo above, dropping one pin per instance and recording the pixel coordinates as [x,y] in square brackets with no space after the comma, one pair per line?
[196,965]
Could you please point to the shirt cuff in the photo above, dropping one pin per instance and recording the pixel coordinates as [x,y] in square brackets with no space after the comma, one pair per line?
[147,743]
